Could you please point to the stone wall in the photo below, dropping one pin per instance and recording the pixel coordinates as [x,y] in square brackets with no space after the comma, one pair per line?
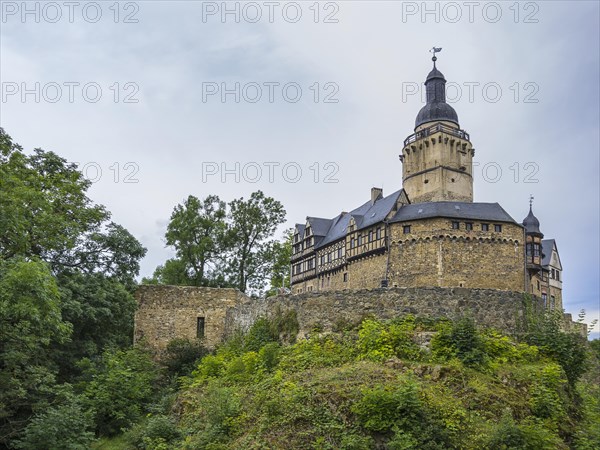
[503,310]
[434,254]
[168,312]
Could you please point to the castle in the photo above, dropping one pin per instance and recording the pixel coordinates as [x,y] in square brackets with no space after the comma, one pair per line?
[430,232]
[426,249]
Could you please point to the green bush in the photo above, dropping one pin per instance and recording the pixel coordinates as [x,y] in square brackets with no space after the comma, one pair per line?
[121,386]
[154,432]
[509,435]
[379,341]
[460,339]
[384,407]
[259,334]
[182,355]
[64,426]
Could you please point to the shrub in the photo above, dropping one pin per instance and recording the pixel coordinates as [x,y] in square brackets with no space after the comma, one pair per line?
[153,433]
[121,385]
[383,407]
[66,426]
[378,341]
[461,340]
[527,436]
[181,356]
[259,334]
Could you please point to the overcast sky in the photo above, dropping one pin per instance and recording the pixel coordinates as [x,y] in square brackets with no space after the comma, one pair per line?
[156,99]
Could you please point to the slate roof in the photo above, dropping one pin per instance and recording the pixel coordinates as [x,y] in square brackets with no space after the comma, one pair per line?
[364,216]
[454,210]
[547,246]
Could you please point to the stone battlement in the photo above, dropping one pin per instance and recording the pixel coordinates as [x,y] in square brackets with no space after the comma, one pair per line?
[168,312]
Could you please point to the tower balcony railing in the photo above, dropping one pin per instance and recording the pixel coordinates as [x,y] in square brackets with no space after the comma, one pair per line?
[434,129]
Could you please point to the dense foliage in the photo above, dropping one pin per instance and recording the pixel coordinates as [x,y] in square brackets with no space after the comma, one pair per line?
[71,379]
[66,281]
[373,385]
[226,245]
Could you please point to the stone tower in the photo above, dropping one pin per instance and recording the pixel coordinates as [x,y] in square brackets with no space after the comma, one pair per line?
[437,159]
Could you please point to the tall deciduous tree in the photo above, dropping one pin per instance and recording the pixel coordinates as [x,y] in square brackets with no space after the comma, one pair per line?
[196,231]
[30,322]
[253,223]
[281,257]
[45,213]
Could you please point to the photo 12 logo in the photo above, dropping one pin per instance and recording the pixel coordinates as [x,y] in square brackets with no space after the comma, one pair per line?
[68,92]
[269,171]
[472,91]
[55,12]
[268,92]
[470,12]
[270,12]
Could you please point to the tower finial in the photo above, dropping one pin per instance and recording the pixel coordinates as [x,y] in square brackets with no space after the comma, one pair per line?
[530,201]
[435,50]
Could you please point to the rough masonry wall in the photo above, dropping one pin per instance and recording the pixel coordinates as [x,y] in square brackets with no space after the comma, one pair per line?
[434,254]
[323,310]
[168,312]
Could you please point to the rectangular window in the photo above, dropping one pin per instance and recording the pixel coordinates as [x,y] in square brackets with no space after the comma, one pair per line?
[340,252]
[200,328]
[552,275]
[455,225]
[378,233]
[371,236]
[557,273]
[552,301]
[468,226]
[538,285]
[536,250]
[328,257]
[406,229]
[544,298]
[345,277]
[485,227]
[322,259]
[359,240]
[352,243]
[498,228]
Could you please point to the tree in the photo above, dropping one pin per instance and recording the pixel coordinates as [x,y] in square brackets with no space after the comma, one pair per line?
[253,223]
[45,213]
[100,310]
[196,231]
[280,266]
[30,322]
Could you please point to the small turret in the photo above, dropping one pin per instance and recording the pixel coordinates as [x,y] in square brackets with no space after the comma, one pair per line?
[533,240]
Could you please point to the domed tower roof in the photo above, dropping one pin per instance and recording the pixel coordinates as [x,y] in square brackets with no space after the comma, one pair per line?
[531,223]
[436,108]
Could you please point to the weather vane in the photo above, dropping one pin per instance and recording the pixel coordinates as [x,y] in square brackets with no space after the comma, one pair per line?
[435,50]
[530,200]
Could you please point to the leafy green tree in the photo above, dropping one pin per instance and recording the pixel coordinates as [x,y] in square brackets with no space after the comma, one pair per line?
[281,254]
[100,310]
[30,322]
[119,388]
[253,223]
[46,214]
[197,230]
[63,425]
[567,348]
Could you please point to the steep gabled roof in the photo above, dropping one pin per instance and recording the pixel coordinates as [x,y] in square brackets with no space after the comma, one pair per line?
[364,216]
[547,246]
[454,210]
[319,225]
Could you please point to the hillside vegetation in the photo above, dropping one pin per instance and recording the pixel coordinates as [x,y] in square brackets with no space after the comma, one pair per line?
[404,384]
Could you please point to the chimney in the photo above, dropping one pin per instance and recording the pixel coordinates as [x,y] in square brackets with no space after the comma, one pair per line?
[376,194]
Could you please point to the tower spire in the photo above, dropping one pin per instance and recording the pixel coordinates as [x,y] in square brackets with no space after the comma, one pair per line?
[435,50]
